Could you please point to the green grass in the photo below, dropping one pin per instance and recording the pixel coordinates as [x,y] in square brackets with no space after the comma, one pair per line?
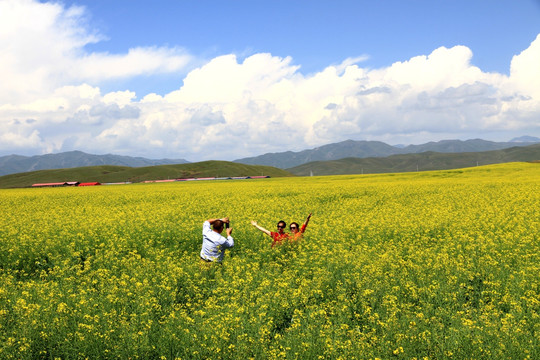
[107,173]
[427,161]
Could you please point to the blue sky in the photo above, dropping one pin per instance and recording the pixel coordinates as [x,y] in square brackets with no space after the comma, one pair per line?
[316,33]
[229,79]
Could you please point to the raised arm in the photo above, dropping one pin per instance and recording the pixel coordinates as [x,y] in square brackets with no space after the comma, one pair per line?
[225,220]
[254,223]
[304,225]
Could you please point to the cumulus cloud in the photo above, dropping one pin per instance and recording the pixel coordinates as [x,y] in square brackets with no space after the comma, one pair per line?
[19,135]
[205,116]
[231,107]
[525,71]
[43,48]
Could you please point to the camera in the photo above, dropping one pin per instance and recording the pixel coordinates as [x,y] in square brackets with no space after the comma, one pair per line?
[226,225]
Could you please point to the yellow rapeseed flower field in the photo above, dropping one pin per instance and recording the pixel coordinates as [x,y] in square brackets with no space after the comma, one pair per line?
[426,265]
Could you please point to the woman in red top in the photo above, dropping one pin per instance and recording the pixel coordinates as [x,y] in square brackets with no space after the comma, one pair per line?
[277,237]
[298,233]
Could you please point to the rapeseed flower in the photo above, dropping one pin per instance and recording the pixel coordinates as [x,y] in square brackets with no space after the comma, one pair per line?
[424,265]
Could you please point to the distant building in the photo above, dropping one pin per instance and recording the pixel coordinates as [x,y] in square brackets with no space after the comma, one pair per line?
[89,184]
[55,184]
[158,181]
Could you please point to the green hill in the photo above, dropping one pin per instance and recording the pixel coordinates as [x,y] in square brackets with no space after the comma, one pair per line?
[109,173]
[417,162]
[365,149]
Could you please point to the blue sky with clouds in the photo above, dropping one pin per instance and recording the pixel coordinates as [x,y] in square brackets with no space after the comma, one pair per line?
[228,79]
[317,34]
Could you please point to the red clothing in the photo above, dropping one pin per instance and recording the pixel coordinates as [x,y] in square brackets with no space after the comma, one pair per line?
[278,238]
[300,233]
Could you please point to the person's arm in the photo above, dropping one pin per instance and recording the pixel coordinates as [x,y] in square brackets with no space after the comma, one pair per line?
[207,226]
[254,223]
[225,220]
[304,225]
[230,240]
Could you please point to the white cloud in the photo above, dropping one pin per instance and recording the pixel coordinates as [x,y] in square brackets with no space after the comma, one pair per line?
[525,70]
[223,79]
[138,61]
[19,135]
[442,68]
[119,97]
[229,107]
[43,48]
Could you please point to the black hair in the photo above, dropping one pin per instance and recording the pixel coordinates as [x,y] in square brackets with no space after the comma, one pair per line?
[218,225]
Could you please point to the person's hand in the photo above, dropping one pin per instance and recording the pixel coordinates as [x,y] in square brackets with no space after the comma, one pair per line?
[253,222]
[225,220]
[229,231]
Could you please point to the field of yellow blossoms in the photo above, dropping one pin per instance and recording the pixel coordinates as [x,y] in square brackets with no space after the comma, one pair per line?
[426,265]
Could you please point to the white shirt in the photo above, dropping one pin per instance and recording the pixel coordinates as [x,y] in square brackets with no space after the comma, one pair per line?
[214,245]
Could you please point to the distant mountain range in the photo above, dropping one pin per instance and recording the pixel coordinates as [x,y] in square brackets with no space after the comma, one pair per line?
[418,162]
[13,164]
[365,149]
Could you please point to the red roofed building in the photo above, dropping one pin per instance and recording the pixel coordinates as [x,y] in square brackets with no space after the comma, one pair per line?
[49,184]
[89,184]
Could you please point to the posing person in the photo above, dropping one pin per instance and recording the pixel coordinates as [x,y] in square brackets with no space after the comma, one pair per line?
[277,237]
[214,244]
[297,233]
